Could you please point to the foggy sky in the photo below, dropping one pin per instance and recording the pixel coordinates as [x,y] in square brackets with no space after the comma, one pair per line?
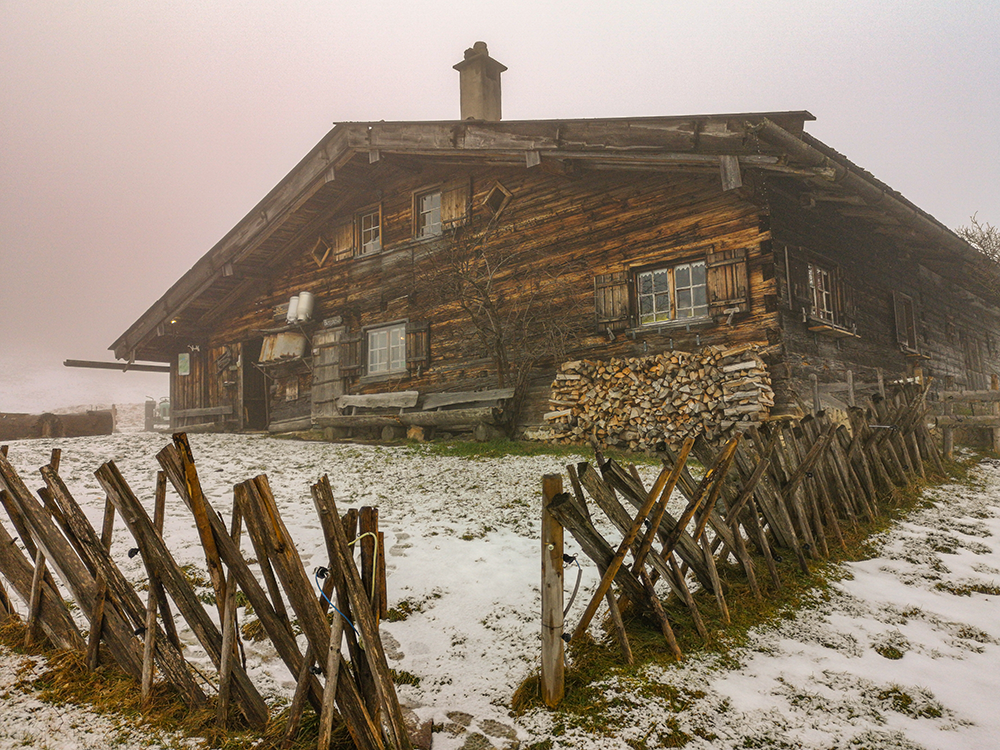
[135,134]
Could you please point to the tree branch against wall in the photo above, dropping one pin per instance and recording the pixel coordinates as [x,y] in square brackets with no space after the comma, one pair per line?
[505,291]
[983,236]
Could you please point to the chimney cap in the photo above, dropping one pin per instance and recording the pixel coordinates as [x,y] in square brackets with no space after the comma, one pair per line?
[478,53]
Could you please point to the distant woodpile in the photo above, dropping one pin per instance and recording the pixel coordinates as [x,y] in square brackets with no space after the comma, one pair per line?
[26,426]
[640,402]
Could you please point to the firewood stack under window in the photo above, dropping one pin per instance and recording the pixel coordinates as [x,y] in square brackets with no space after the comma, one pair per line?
[637,402]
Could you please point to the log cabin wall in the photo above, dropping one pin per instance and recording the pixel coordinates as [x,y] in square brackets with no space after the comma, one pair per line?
[905,319]
[557,241]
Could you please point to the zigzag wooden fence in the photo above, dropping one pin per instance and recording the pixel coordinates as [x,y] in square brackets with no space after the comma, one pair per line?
[139,635]
[781,489]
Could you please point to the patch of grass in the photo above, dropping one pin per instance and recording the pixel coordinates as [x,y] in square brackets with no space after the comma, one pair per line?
[904,703]
[402,677]
[968,588]
[410,606]
[253,630]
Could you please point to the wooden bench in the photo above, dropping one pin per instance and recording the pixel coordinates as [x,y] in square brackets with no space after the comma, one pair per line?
[451,410]
[220,412]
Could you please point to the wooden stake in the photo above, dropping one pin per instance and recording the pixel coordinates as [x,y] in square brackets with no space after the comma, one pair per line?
[553,669]
[97,618]
[229,635]
[149,641]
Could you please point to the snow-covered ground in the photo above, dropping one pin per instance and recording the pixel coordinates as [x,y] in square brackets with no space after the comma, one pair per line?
[902,652]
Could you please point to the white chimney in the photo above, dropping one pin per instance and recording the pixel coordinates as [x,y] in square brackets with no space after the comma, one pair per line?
[479,79]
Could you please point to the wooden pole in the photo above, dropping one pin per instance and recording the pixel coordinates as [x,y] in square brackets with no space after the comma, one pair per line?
[815,389]
[149,641]
[850,388]
[229,648]
[97,619]
[553,667]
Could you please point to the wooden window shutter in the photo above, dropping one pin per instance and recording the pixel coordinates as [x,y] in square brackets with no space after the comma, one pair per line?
[455,203]
[351,354]
[726,276]
[846,313]
[906,325]
[799,298]
[611,301]
[342,240]
[418,349]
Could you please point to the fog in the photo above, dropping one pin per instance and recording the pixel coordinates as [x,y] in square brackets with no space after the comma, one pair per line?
[135,134]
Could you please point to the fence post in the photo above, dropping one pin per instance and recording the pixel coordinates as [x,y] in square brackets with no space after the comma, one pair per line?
[553,671]
[850,388]
[815,388]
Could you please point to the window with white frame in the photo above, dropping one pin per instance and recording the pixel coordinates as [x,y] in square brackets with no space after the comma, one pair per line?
[427,208]
[821,292]
[387,349]
[370,232]
[672,293]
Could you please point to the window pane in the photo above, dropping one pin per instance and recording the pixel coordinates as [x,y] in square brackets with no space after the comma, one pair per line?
[645,283]
[429,214]
[682,276]
[645,304]
[683,299]
[700,295]
[663,303]
[697,274]
[661,280]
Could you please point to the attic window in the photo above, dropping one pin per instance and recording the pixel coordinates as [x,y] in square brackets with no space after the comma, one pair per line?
[497,199]
[427,209]
[321,251]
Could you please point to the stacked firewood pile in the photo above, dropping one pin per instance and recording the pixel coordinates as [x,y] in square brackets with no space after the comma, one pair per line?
[640,402]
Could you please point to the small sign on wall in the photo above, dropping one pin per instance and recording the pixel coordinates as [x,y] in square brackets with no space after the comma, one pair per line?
[184,363]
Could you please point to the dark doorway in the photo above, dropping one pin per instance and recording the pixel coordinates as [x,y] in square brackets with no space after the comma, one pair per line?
[254,387]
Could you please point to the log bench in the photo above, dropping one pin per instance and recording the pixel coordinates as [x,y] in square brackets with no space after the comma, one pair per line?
[392,412]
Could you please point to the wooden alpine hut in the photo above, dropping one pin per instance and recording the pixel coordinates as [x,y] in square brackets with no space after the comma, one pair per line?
[483,273]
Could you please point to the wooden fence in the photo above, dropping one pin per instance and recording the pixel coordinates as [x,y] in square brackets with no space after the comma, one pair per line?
[139,635]
[948,420]
[783,489]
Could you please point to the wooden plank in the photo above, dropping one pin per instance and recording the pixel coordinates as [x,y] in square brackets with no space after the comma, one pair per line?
[438,400]
[395,400]
[158,557]
[34,599]
[198,506]
[229,635]
[959,420]
[553,664]
[97,618]
[149,640]
[206,411]
[966,397]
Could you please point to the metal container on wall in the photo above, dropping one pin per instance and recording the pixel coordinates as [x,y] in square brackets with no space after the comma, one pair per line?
[304,310]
